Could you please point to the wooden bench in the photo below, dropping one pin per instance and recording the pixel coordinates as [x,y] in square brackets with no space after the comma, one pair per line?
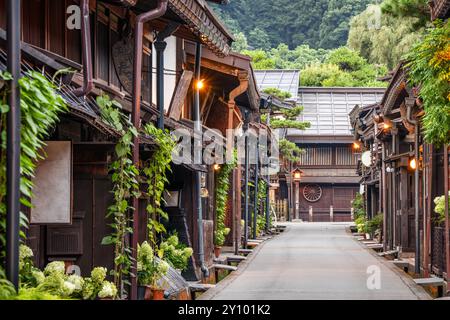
[245,251]
[255,240]
[195,287]
[218,267]
[402,264]
[224,267]
[375,246]
[235,259]
[432,282]
[252,245]
[389,253]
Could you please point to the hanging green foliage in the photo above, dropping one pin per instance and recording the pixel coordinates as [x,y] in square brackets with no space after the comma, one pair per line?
[429,69]
[261,206]
[155,172]
[222,187]
[125,186]
[40,108]
[358,206]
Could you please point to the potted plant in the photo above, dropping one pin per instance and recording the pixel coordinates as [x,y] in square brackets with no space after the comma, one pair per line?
[220,235]
[150,272]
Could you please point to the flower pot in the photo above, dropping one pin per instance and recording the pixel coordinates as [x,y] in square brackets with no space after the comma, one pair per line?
[158,294]
[144,293]
[217,250]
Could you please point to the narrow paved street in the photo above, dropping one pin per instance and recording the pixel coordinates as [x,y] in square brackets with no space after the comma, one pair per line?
[314,261]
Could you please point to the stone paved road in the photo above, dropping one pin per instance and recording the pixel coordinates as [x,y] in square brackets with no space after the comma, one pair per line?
[313,261]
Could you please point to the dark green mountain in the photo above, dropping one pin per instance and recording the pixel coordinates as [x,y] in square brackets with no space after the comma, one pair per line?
[267,23]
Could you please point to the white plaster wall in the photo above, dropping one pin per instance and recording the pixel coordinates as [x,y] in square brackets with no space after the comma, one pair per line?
[170,61]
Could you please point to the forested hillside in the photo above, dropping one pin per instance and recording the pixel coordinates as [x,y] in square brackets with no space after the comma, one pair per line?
[267,23]
[333,42]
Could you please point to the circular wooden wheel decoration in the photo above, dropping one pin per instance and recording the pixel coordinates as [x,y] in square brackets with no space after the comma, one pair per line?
[312,192]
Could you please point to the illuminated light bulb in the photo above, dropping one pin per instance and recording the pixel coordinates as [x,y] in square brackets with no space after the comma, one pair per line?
[413,164]
[200,85]
[216,167]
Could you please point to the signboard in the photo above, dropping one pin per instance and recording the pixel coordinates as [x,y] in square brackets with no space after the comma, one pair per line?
[52,201]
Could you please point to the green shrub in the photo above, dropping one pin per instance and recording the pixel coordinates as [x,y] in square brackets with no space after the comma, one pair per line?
[176,253]
[375,224]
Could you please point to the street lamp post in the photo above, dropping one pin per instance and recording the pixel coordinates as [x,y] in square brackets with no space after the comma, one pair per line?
[245,127]
[267,104]
[297,175]
[255,208]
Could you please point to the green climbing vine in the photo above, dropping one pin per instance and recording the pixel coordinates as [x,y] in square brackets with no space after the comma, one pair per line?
[262,194]
[429,68]
[155,171]
[222,187]
[40,108]
[125,186]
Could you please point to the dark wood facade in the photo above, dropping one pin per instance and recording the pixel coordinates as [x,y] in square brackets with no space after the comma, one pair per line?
[388,132]
[329,181]
[49,46]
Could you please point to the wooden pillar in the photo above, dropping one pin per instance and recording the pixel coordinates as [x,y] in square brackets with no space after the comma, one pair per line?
[427,218]
[383,186]
[237,209]
[446,212]
[297,200]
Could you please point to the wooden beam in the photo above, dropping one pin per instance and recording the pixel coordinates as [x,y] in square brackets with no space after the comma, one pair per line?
[215,66]
[180,95]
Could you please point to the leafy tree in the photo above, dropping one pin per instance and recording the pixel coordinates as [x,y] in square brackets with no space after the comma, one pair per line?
[278,93]
[408,8]
[343,68]
[298,58]
[260,59]
[289,150]
[384,41]
[240,44]
[335,23]
[429,69]
[346,59]
[259,39]
[320,23]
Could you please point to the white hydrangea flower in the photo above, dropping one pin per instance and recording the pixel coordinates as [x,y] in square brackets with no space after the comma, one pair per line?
[77,281]
[55,267]
[38,275]
[68,288]
[25,252]
[188,252]
[108,290]
[163,267]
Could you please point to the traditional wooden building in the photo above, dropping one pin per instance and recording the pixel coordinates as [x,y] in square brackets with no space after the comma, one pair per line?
[328,180]
[229,93]
[406,172]
[101,51]
[362,122]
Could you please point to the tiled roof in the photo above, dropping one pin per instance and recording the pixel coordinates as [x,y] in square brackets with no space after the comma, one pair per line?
[286,80]
[327,109]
